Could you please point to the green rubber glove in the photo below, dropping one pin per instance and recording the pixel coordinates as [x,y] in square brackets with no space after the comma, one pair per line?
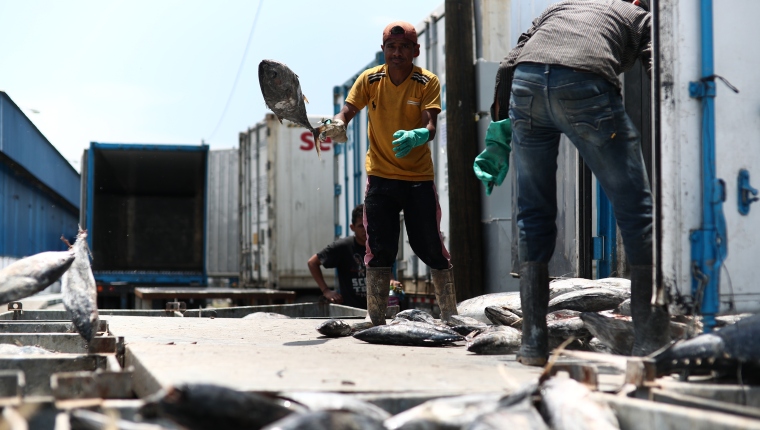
[492,165]
[406,140]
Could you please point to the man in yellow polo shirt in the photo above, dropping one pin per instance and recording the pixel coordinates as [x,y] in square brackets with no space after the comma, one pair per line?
[403,103]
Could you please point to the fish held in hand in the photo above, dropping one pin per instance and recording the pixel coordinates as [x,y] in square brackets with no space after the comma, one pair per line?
[31,275]
[282,94]
[334,328]
[80,295]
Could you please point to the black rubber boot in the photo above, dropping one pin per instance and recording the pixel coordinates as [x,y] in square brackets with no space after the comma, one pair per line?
[651,324]
[534,299]
[378,289]
[445,293]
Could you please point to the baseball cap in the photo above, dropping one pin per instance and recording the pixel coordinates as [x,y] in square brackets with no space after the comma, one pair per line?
[400,29]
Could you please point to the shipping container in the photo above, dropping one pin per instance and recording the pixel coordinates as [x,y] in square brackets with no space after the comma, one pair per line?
[223,242]
[145,211]
[39,189]
[286,204]
[706,189]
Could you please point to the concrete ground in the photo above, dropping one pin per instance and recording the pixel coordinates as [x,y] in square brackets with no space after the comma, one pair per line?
[290,355]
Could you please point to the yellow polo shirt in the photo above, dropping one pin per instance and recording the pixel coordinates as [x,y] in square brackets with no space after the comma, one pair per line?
[391,108]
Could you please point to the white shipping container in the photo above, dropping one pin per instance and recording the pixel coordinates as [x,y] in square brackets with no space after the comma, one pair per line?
[287,203]
[737,125]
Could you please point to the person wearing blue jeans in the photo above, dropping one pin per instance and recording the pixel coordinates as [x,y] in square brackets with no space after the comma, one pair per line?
[561,78]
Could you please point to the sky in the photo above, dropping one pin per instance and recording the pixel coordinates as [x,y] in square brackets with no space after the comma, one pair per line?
[163,71]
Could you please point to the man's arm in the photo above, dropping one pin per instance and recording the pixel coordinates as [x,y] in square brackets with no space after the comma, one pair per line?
[429,121]
[346,114]
[316,273]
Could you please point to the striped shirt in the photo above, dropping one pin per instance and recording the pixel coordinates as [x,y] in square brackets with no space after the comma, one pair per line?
[600,36]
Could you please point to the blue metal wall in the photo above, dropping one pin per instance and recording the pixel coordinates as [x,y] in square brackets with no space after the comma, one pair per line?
[39,190]
[22,142]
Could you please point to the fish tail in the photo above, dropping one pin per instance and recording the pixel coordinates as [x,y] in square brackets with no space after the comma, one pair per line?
[317,142]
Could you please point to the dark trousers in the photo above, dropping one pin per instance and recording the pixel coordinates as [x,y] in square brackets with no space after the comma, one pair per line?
[384,200]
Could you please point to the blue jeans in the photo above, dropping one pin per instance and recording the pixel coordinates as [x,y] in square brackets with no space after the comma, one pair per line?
[548,101]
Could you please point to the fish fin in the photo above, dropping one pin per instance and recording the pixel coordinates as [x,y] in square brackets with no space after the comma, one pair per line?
[305,99]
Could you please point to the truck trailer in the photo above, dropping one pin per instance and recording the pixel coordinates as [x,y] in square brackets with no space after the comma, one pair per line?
[144,207]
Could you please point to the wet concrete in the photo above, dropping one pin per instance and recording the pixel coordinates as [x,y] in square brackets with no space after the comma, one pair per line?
[289,354]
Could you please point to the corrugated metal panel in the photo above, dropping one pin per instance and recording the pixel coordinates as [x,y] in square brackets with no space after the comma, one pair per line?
[23,143]
[222,246]
[32,221]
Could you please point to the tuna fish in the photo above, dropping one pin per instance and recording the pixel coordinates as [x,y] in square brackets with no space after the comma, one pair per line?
[522,415]
[624,308]
[408,333]
[504,340]
[31,275]
[562,314]
[334,328]
[588,300]
[568,327]
[723,350]
[615,332]
[80,295]
[569,405]
[282,94]
[446,412]
[501,315]
[415,315]
[210,407]
[327,420]
[323,401]
[465,325]
[361,326]
[475,307]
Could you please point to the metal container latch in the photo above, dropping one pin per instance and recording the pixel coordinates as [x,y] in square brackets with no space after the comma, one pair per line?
[17,309]
[746,192]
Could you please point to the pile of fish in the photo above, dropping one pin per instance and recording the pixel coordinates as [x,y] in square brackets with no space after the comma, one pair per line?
[558,402]
[595,313]
[33,274]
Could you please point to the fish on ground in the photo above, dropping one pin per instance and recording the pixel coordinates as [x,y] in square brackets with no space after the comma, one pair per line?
[568,327]
[565,285]
[475,307]
[522,415]
[465,325]
[588,300]
[334,328]
[211,407]
[415,315]
[327,420]
[265,316]
[323,401]
[624,308]
[282,94]
[409,333]
[723,350]
[33,274]
[356,327]
[562,314]
[569,405]
[446,412]
[501,315]
[615,331]
[504,340]
[80,294]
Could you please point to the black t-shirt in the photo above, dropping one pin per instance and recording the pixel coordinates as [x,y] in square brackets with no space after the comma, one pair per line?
[348,257]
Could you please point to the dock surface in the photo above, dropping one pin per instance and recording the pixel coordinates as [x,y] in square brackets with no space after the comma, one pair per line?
[290,355]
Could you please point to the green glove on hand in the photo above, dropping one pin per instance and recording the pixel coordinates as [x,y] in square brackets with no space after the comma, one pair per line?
[492,165]
[406,140]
